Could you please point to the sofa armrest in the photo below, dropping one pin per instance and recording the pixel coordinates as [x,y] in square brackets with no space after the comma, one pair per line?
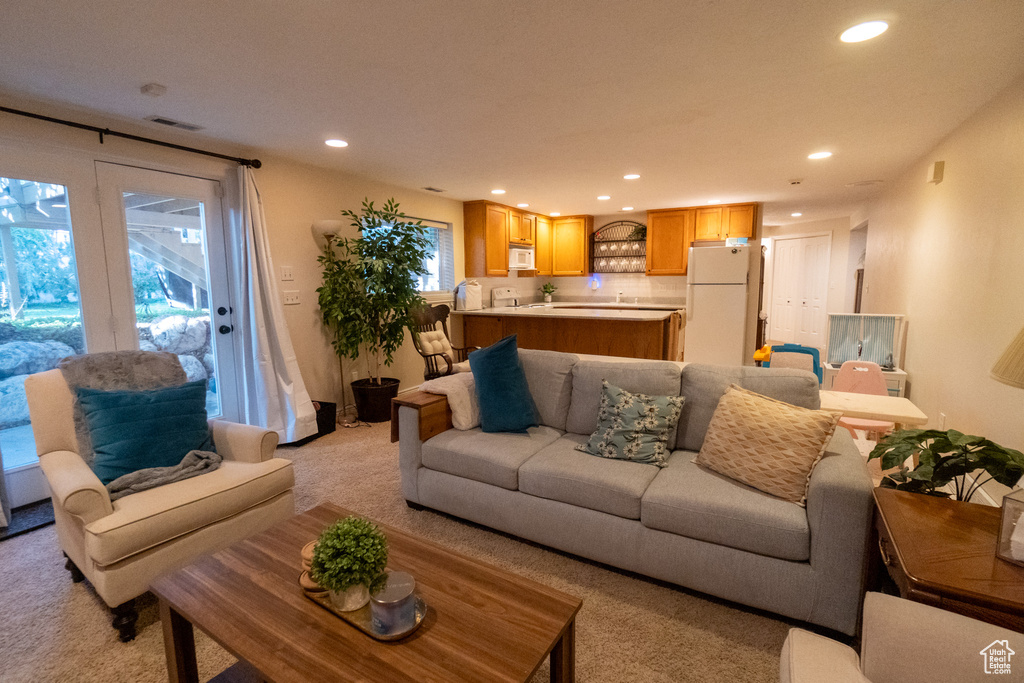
[810,658]
[243,443]
[911,642]
[433,414]
[75,488]
[839,513]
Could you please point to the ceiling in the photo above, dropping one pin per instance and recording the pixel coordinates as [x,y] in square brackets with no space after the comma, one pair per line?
[552,101]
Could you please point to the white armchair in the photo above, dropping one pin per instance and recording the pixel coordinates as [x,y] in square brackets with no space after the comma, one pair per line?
[121,546]
[902,642]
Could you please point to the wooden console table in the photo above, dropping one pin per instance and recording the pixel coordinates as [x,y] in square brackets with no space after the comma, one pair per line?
[943,553]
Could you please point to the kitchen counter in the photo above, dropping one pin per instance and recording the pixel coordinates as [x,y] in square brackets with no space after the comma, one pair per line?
[606,329]
[599,311]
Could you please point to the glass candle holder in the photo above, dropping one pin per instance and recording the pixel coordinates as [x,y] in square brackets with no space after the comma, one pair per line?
[393,609]
[1011,529]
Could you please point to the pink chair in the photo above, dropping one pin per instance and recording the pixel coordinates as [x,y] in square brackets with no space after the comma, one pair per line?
[862,377]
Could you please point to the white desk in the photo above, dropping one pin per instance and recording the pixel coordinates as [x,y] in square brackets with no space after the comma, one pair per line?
[894,409]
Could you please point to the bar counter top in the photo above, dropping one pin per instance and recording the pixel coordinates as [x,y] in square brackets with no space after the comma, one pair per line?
[607,311]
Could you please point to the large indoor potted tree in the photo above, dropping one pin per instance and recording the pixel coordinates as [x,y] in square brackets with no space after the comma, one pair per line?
[370,283]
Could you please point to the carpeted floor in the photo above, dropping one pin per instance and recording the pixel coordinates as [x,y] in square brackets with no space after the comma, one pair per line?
[629,629]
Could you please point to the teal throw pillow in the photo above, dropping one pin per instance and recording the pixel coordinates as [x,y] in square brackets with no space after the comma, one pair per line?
[633,427]
[135,430]
[501,389]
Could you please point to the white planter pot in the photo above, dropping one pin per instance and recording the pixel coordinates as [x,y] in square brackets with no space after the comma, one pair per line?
[351,599]
[547,298]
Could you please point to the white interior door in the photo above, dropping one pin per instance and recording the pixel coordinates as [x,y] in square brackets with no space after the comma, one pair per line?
[799,299]
[165,239]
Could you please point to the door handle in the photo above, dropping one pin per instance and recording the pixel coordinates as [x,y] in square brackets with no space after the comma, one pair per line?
[225,329]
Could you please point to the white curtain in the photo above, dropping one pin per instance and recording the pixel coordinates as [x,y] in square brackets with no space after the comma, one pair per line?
[274,395]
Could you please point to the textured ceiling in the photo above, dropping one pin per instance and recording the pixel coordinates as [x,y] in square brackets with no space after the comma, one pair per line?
[552,101]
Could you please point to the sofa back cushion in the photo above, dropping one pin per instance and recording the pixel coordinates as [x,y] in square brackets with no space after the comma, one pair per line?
[656,378]
[549,374]
[703,385]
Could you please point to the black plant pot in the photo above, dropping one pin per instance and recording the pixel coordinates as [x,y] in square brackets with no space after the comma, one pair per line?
[373,401]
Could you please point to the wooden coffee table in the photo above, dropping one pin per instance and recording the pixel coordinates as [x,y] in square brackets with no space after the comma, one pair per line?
[943,553]
[483,623]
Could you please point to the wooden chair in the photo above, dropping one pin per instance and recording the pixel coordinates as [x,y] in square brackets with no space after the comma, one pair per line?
[439,356]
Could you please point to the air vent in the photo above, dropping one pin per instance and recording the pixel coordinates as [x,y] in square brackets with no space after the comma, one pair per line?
[164,121]
[433,189]
[864,183]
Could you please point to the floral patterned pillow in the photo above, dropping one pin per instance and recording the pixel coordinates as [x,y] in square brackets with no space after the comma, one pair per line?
[633,427]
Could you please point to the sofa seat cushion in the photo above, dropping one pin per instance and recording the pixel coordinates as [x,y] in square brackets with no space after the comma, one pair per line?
[146,519]
[560,472]
[490,458]
[692,501]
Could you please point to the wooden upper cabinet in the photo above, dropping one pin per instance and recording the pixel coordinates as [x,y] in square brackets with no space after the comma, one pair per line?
[708,223]
[719,222]
[521,228]
[669,234]
[738,220]
[486,231]
[570,245]
[542,239]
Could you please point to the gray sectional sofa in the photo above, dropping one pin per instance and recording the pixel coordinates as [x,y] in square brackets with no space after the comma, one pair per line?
[682,523]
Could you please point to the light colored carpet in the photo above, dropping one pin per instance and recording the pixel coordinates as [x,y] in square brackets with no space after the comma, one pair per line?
[629,629]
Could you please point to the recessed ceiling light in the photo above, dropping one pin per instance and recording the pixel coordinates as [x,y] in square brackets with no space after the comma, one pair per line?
[554,213]
[627,208]
[522,206]
[604,197]
[819,155]
[714,201]
[862,32]
[631,176]
[796,215]
[497,191]
[334,142]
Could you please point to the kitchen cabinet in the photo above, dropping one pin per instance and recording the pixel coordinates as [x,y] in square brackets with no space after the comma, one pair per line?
[669,234]
[652,339]
[486,236]
[720,222]
[521,228]
[570,244]
[542,240]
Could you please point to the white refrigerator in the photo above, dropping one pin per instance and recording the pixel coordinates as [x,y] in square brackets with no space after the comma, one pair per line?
[716,305]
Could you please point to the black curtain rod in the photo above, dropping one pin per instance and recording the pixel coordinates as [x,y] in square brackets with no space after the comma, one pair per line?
[255,163]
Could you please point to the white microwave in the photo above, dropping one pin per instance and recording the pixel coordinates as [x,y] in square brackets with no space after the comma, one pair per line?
[520,259]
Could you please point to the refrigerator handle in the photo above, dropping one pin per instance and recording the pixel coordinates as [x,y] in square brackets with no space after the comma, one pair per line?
[689,301]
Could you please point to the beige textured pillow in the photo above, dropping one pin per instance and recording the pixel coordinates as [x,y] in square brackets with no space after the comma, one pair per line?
[764,443]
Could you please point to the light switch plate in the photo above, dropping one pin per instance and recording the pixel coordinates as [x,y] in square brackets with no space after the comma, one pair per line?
[287,273]
[291,297]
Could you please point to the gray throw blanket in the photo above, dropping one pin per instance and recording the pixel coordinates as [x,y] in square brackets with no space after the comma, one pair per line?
[194,464]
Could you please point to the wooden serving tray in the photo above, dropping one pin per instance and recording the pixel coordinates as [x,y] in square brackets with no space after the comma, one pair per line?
[362,619]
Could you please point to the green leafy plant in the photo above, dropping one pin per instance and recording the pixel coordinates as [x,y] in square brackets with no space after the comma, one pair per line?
[370,284]
[547,288]
[944,457]
[350,552]
[638,233]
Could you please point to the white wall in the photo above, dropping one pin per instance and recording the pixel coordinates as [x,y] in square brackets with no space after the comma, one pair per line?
[951,256]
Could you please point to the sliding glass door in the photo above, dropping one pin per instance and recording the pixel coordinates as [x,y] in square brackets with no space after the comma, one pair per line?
[165,232]
[143,267]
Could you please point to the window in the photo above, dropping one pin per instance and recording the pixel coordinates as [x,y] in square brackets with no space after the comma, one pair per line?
[439,268]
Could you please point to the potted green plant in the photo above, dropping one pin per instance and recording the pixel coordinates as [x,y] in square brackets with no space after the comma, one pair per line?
[370,285]
[945,457]
[547,289]
[349,560]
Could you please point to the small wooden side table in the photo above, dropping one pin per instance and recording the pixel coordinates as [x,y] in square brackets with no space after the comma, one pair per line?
[943,553]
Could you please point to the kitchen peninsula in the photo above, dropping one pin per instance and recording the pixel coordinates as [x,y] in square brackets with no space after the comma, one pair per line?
[652,331]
